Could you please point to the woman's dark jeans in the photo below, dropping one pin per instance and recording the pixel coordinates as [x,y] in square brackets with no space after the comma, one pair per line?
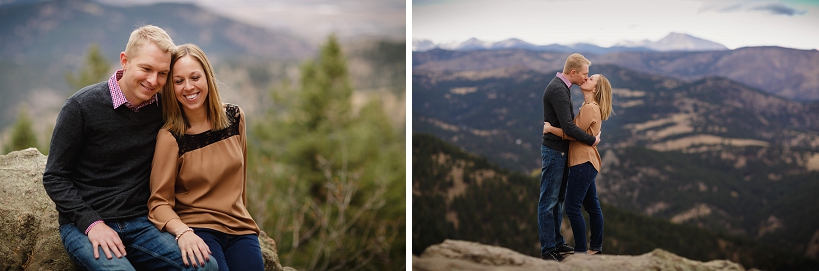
[233,252]
[582,190]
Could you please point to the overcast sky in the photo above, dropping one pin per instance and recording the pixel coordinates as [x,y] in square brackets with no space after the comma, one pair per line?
[786,23]
[311,18]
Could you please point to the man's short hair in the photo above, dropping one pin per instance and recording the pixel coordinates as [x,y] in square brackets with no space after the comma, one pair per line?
[145,34]
[575,62]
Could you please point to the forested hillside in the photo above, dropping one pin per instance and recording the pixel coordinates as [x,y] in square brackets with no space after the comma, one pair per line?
[457,195]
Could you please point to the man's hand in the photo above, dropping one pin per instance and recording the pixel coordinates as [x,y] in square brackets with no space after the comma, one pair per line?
[546,127]
[103,236]
[597,139]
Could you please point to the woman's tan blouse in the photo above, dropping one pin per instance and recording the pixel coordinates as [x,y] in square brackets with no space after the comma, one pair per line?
[201,179]
[588,120]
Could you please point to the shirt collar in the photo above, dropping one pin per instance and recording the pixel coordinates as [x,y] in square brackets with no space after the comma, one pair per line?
[564,79]
[118,98]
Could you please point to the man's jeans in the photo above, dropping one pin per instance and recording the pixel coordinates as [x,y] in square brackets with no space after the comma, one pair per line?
[583,191]
[147,248]
[233,252]
[549,210]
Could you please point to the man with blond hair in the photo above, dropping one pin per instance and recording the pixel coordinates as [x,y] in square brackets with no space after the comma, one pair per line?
[557,110]
[99,164]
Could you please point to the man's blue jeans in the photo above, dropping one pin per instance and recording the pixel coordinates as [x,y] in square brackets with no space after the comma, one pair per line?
[147,248]
[233,252]
[582,190]
[549,210]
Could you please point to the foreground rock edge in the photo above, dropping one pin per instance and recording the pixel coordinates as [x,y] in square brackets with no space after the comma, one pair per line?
[456,255]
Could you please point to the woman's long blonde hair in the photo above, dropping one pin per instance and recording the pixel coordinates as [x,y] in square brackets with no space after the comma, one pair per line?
[175,120]
[602,96]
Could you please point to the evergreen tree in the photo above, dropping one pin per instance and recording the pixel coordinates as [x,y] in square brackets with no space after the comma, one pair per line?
[22,135]
[333,179]
[95,69]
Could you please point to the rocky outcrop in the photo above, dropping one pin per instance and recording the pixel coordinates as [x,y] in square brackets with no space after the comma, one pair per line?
[29,233]
[453,255]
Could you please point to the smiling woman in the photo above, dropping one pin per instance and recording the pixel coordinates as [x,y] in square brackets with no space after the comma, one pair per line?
[191,91]
[191,109]
[203,149]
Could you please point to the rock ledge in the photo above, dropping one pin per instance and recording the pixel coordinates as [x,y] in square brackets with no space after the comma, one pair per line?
[454,255]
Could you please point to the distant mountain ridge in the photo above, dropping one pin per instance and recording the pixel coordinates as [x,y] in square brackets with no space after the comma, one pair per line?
[677,42]
[671,42]
[785,72]
[54,29]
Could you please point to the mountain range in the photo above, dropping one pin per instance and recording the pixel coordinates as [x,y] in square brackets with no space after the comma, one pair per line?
[785,72]
[712,153]
[29,31]
[671,42]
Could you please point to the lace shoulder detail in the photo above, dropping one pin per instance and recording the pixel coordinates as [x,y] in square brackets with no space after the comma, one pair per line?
[193,142]
[233,113]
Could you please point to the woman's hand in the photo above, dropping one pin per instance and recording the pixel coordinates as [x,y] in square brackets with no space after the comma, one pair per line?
[546,127]
[191,245]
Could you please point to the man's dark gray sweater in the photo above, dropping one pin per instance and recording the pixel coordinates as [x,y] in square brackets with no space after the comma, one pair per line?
[99,163]
[558,111]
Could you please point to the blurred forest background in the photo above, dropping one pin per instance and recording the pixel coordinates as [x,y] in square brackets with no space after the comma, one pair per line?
[326,163]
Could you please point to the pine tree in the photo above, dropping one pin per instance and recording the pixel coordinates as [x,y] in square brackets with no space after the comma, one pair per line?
[95,69]
[22,135]
[328,184]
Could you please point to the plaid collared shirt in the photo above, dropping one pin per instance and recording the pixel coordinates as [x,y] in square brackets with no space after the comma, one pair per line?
[119,99]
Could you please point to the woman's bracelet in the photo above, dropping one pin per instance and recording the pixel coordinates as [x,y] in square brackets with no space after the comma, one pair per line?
[181,233]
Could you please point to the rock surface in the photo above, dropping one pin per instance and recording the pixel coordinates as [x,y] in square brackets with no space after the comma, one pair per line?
[453,255]
[29,233]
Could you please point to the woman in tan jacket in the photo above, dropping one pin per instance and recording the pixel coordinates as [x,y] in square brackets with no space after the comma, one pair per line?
[584,164]
[198,176]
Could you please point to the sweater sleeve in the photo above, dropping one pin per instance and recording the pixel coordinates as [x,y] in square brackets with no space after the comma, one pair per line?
[66,142]
[163,180]
[243,139]
[562,107]
[589,114]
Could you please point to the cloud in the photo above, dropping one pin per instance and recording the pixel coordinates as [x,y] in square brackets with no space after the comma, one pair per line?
[774,8]
[421,3]
[728,8]
[778,9]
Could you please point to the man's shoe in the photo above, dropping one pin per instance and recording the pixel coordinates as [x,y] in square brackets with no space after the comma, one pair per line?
[552,256]
[599,252]
[565,249]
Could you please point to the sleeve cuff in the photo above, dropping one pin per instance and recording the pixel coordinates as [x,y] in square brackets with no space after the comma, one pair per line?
[92,225]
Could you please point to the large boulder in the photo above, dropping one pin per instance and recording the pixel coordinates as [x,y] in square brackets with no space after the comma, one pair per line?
[29,233]
[453,255]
